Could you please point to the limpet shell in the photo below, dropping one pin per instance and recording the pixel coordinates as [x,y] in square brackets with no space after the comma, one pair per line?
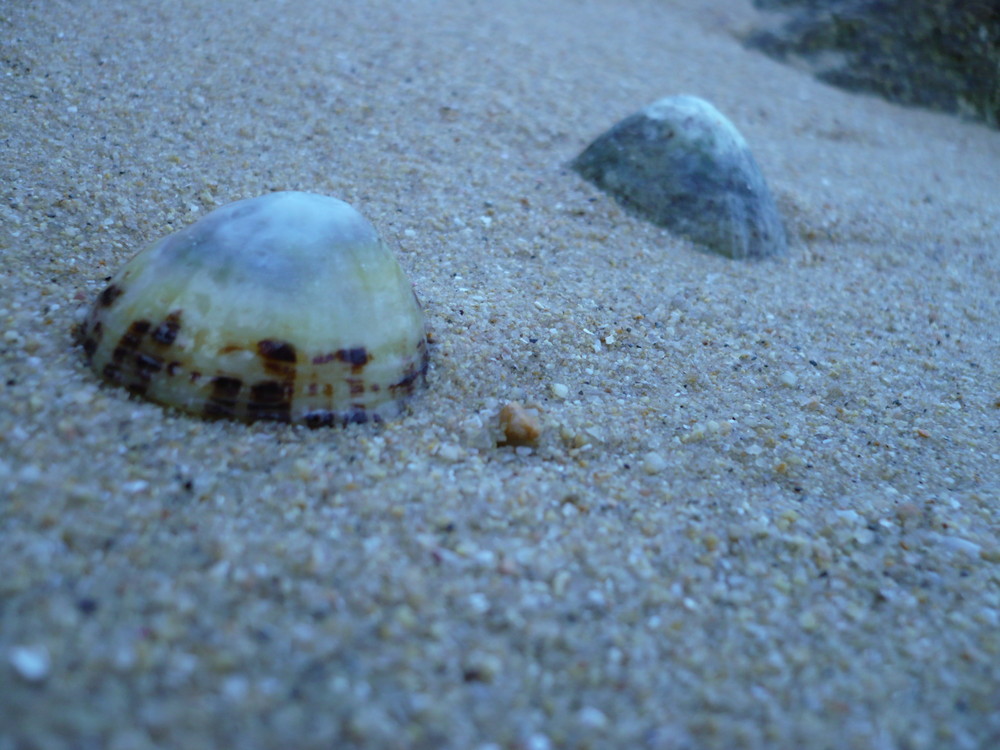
[287,307]
[683,165]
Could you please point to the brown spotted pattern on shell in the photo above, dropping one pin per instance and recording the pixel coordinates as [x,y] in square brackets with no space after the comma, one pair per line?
[287,307]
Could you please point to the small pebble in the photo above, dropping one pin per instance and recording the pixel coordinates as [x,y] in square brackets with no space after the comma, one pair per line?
[653,463]
[32,663]
[450,452]
[520,426]
[592,718]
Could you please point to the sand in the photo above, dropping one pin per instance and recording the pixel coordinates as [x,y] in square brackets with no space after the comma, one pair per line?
[764,508]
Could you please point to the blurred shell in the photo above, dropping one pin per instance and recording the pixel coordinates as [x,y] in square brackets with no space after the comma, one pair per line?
[682,165]
[287,307]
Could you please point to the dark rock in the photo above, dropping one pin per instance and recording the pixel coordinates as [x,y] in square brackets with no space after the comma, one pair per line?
[680,164]
[941,54]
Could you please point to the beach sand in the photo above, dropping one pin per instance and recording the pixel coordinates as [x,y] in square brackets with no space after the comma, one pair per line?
[764,510]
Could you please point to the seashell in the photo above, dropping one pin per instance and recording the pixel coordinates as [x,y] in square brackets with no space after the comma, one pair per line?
[287,307]
[682,165]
